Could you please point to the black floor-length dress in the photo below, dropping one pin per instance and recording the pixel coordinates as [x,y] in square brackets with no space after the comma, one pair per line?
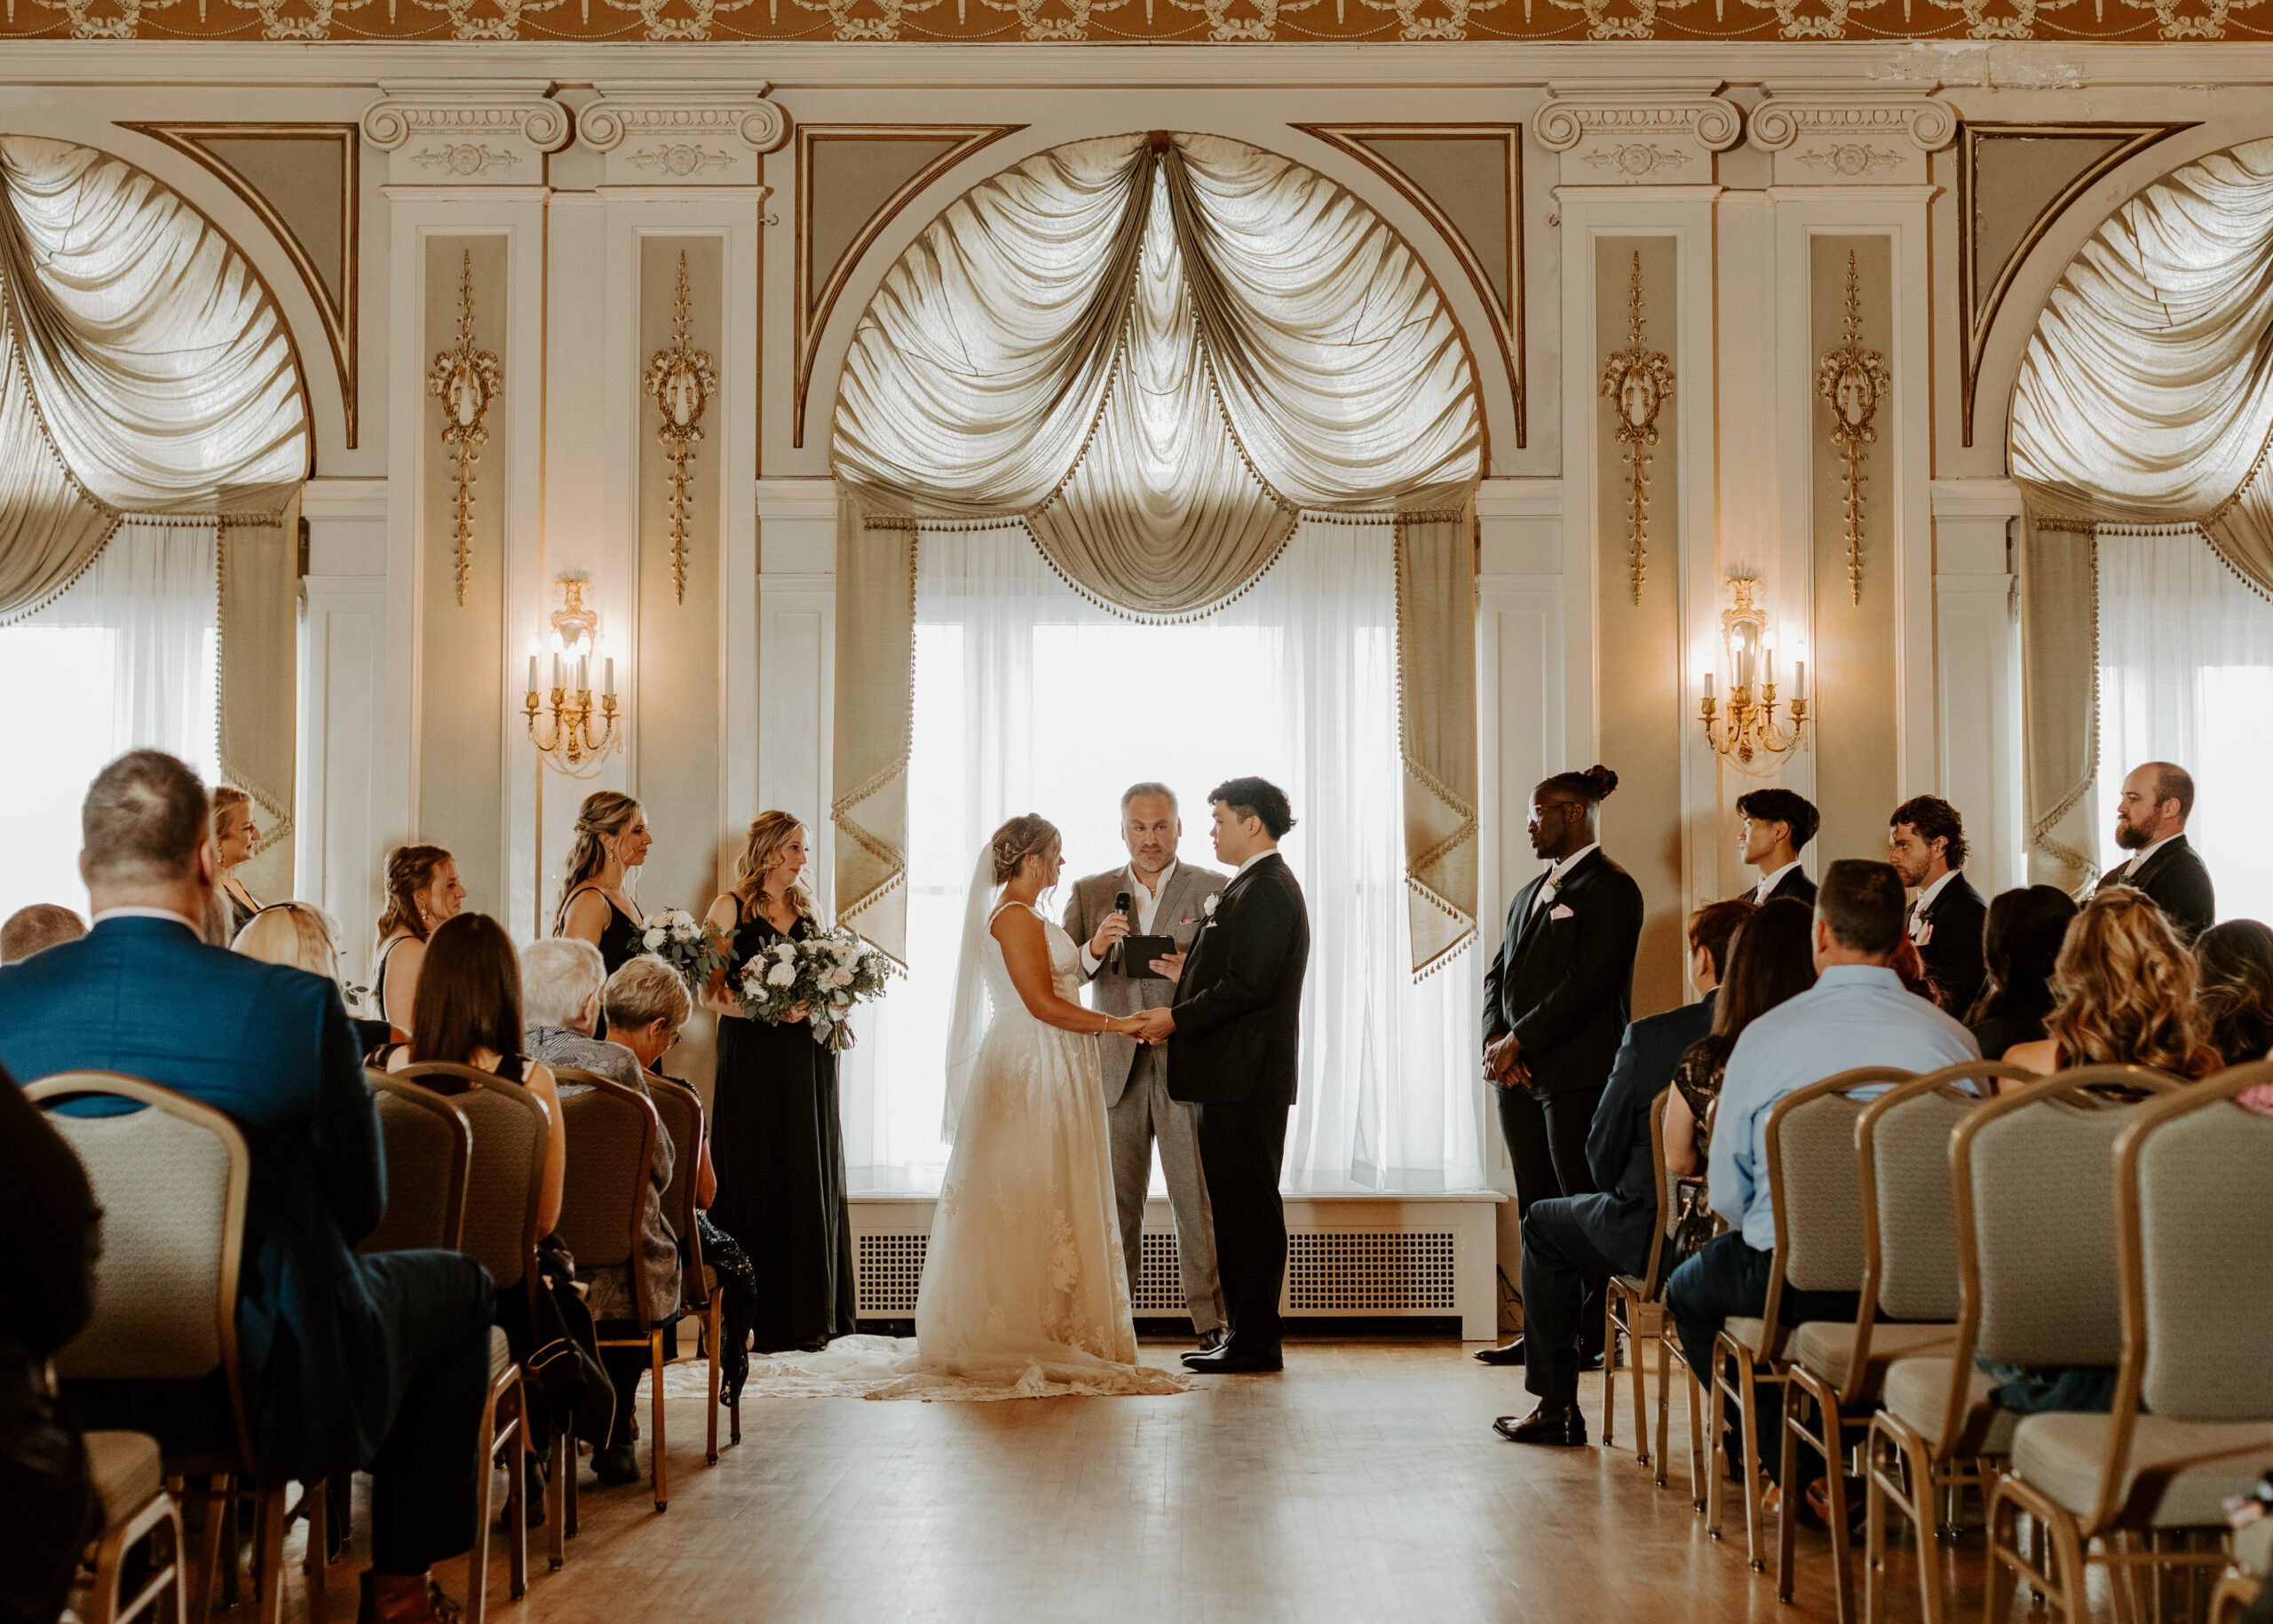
[776,1145]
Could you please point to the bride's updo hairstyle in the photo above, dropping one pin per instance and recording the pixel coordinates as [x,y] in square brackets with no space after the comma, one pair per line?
[1018,839]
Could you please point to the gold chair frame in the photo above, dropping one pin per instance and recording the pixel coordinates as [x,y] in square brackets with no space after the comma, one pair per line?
[104,1606]
[701,1301]
[1644,1322]
[397,1087]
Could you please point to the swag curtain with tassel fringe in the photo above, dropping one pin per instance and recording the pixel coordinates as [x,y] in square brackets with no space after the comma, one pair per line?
[146,377]
[2144,402]
[1155,353]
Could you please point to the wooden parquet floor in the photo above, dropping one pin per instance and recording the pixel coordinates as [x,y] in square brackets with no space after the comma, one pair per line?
[1363,1484]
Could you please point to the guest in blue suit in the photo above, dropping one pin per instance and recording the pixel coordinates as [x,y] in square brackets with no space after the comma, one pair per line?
[379,1362]
[1570,1241]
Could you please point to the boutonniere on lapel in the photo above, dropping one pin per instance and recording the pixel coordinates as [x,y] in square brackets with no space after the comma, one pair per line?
[1207,903]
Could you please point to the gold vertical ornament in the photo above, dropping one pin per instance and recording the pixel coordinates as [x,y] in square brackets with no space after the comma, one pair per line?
[465,379]
[680,381]
[1637,380]
[1854,381]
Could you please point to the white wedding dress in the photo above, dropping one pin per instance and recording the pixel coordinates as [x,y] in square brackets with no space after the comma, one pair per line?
[1025,1293]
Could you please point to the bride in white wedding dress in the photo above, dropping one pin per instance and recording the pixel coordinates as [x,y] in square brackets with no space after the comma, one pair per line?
[1025,1293]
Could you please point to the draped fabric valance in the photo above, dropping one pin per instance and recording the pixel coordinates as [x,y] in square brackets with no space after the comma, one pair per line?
[1155,353]
[145,371]
[2144,402]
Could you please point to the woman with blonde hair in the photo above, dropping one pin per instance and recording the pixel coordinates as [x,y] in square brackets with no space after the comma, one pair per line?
[302,936]
[2123,994]
[775,1137]
[422,891]
[234,835]
[596,901]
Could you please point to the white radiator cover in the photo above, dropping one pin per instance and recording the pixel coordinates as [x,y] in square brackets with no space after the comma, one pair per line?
[1401,1256]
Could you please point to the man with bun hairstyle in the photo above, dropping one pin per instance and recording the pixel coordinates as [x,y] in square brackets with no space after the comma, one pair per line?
[1556,1002]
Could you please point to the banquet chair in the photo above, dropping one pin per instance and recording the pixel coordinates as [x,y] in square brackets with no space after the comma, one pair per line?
[611,1132]
[1813,1193]
[1630,1305]
[510,1130]
[2191,1422]
[429,1149]
[680,1109]
[128,1478]
[171,1177]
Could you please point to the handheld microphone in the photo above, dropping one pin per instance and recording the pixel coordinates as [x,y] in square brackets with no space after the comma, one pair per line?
[1121,902]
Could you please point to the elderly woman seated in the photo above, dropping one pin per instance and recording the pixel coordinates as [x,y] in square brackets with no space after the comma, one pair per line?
[646,1003]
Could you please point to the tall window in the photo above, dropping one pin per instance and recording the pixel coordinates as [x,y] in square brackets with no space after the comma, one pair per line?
[1029,698]
[2186,675]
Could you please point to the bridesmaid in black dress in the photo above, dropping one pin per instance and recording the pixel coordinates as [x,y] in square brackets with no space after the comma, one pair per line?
[596,900]
[776,1140]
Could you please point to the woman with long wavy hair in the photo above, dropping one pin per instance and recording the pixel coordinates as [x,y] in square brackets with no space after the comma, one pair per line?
[776,1141]
[596,901]
[2123,994]
[422,891]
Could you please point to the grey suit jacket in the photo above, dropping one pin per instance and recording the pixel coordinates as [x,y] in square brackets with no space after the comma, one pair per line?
[1179,914]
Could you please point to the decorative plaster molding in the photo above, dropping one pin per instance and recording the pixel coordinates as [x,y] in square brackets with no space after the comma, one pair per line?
[1848,133]
[1626,134]
[460,131]
[658,131]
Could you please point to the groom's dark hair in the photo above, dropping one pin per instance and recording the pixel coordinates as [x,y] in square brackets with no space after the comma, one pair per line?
[1256,798]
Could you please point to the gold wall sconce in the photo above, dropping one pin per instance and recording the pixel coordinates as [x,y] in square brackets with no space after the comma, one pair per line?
[1747,733]
[570,742]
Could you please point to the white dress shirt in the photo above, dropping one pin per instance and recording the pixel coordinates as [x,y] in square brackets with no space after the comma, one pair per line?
[1769,881]
[2139,858]
[1146,903]
[1252,862]
[1925,896]
[1545,894]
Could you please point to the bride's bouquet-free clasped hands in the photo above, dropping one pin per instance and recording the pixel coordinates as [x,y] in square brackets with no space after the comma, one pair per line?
[828,972]
[695,949]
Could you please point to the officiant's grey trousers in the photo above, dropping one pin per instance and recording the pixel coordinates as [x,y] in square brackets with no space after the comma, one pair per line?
[1144,1112]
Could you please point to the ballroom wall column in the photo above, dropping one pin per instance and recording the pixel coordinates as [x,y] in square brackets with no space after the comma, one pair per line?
[1978,672]
[797,659]
[348,784]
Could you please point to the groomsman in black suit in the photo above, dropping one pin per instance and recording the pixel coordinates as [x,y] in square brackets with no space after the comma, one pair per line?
[1926,844]
[2150,824]
[1775,826]
[1556,1002]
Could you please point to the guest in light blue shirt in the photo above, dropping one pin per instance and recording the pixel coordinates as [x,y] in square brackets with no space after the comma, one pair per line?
[1857,1013]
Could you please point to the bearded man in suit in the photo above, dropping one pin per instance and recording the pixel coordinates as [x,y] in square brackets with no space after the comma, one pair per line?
[2150,824]
[1926,844]
[1556,1002]
[1167,898]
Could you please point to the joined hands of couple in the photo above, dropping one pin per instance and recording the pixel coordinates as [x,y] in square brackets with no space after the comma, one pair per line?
[1150,1026]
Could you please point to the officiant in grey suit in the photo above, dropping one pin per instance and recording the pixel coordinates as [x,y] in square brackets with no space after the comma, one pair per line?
[1164,897]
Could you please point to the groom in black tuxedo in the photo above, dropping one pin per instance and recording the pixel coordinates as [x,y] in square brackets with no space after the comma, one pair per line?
[1233,1034]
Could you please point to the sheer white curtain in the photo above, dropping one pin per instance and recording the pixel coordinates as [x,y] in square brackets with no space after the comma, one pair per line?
[1028,698]
[124,659]
[2186,675]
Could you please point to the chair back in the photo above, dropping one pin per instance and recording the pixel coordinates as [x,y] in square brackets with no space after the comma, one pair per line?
[612,1133]
[2034,1199]
[1814,1183]
[429,1151]
[2192,1172]
[679,1108]
[505,1172]
[172,1177]
[1909,1215]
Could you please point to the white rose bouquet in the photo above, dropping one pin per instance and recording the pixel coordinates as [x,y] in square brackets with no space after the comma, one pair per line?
[827,973]
[688,944]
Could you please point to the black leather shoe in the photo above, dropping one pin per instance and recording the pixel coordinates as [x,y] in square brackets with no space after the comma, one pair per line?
[1512,1354]
[1230,1361]
[1550,1424]
[1210,1341]
[615,1464]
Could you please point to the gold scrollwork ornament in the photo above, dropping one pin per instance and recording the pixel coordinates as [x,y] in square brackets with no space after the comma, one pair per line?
[1637,380]
[466,379]
[680,381]
[1854,381]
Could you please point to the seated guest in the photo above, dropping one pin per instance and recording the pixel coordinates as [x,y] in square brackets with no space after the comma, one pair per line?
[2020,944]
[2123,995]
[1775,826]
[1857,1014]
[422,891]
[42,924]
[1926,841]
[2151,814]
[1566,1238]
[301,935]
[468,1013]
[2234,962]
[1770,960]
[234,836]
[562,977]
[379,1362]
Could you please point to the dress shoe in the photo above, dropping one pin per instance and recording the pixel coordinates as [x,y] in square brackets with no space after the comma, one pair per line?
[1550,1424]
[1512,1354]
[1210,1341]
[1228,1360]
[438,1609]
[615,1464]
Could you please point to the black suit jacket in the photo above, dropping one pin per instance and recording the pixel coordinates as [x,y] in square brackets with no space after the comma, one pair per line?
[1239,1004]
[1953,946]
[1623,1218]
[1565,987]
[2179,882]
[1795,885]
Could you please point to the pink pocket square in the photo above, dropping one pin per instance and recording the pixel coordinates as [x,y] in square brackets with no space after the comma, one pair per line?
[1562,910]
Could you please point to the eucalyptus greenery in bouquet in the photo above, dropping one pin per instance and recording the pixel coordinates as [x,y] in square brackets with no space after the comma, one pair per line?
[827,973]
[689,946]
